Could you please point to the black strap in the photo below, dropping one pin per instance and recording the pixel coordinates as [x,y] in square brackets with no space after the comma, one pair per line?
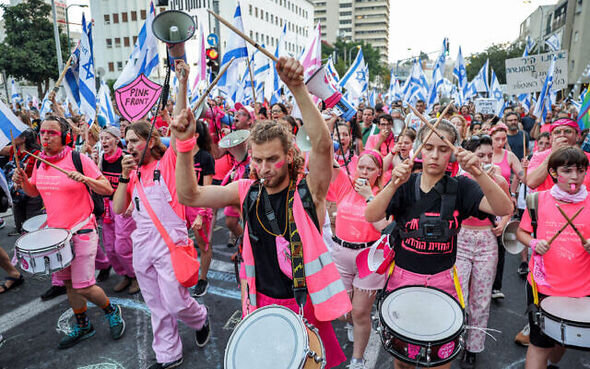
[269,212]
[299,283]
[532,203]
[78,165]
[447,189]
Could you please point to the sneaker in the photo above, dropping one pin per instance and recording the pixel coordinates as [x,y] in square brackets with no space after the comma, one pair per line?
[523,337]
[357,364]
[123,284]
[468,361]
[349,332]
[523,269]
[53,292]
[116,323]
[201,288]
[103,275]
[202,335]
[76,335]
[497,294]
[170,365]
[133,287]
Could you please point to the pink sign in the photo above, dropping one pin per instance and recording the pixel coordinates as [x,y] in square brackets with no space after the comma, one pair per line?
[137,98]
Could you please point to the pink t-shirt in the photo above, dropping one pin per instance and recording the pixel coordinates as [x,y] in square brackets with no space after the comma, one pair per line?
[474,221]
[167,168]
[351,225]
[385,148]
[567,264]
[538,158]
[67,201]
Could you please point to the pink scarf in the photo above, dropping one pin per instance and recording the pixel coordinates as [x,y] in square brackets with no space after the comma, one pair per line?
[115,156]
[564,196]
[55,158]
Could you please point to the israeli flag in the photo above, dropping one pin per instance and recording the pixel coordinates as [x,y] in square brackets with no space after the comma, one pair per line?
[281,49]
[106,105]
[394,92]
[500,106]
[372,99]
[356,79]
[14,95]
[480,82]
[461,74]
[144,57]
[263,75]
[437,82]
[332,70]
[70,81]
[553,42]
[45,106]
[530,44]
[86,79]
[440,61]
[545,94]
[236,48]
[525,101]
[495,90]
[8,122]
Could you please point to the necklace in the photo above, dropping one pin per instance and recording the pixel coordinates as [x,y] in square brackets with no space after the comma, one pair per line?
[260,221]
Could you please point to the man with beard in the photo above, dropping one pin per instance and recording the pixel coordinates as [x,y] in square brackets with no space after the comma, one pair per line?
[515,135]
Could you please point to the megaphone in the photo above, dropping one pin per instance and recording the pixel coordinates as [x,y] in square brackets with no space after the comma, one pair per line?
[322,85]
[236,143]
[174,27]
[511,244]
[302,140]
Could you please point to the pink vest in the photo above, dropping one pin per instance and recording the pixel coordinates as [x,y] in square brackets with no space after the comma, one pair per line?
[324,285]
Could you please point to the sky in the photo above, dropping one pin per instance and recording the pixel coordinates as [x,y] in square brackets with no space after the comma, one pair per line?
[472,24]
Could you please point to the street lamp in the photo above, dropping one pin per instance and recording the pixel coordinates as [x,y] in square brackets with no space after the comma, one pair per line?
[68,23]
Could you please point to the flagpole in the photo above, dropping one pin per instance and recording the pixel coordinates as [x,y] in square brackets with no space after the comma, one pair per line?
[62,75]
[251,80]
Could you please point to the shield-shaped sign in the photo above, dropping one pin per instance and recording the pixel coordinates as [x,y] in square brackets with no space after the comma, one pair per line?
[137,98]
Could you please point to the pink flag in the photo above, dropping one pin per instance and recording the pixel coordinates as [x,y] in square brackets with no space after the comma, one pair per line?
[311,59]
[201,74]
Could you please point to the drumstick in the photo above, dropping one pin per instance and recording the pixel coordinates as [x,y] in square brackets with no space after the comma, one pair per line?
[48,163]
[14,150]
[564,226]
[428,136]
[445,140]
[569,221]
[63,74]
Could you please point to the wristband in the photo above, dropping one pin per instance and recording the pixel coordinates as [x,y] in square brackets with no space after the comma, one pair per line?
[186,145]
[123,179]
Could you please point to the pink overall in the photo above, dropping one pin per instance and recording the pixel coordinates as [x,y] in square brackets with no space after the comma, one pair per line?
[167,299]
[102,261]
[116,239]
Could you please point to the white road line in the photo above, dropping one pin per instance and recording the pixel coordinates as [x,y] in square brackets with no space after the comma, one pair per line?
[222,266]
[26,312]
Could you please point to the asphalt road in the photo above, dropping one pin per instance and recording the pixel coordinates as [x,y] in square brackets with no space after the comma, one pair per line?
[33,328]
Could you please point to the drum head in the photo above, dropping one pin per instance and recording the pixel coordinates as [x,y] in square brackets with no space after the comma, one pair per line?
[34,223]
[272,337]
[422,313]
[568,308]
[42,239]
[235,138]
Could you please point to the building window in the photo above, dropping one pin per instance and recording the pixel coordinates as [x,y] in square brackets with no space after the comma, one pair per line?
[124,17]
[134,40]
[251,34]
[250,9]
[256,12]
[111,67]
[119,66]
[109,43]
[116,18]
[107,19]
[117,42]
[143,14]
[126,41]
[133,15]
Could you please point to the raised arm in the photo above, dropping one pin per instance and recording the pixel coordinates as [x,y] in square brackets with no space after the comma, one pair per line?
[182,72]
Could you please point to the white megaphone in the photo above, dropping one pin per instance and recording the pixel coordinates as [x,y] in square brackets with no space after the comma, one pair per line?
[174,27]
[302,140]
[511,244]
[322,85]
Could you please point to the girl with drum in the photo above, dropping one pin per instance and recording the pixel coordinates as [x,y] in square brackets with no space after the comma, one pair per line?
[428,209]
[117,228]
[352,235]
[477,256]
[562,267]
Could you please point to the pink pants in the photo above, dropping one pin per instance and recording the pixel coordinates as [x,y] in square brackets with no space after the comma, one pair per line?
[442,280]
[102,261]
[477,256]
[334,354]
[81,270]
[116,239]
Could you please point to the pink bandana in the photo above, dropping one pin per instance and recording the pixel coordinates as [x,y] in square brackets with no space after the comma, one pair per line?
[55,158]
[115,156]
[564,196]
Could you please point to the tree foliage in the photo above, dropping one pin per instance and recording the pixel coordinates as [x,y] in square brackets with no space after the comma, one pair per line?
[28,51]
[497,54]
[377,66]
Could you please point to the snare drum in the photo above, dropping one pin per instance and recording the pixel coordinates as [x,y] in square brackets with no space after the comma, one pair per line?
[44,251]
[35,223]
[274,337]
[566,320]
[421,325]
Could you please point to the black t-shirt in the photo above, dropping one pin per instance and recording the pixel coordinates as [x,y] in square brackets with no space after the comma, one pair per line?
[426,257]
[515,143]
[270,280]
[111,171]
[527,123]
[204,165]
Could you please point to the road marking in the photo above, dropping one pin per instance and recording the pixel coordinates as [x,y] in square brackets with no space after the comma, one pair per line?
[233,320]
[26,312]
[112,364]
[222,266]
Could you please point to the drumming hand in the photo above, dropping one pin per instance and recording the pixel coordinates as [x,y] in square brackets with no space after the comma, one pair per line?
[77,176]
[184,126]
[468,161]
[402,172]
[19,177]
[542,247]
[290,71]
[128,163]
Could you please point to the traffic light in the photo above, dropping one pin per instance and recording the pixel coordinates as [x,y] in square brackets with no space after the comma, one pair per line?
[213,61]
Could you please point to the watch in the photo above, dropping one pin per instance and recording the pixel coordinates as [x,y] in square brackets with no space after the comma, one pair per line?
[371,198]
[512,194]
[123,179]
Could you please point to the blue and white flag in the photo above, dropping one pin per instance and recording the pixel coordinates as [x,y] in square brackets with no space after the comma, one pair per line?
[70,81]
[480,82]
[281,49]
[500,106]
[14,95]
[440,61]
[437,81]
[8,122]
[86,79]
[525,101]
[144,57]
[394,93]
[545,95]
[528,47]
[356,79]
[495,90]
[106,105]
[236,48]
[461,74]
[45,106]
[372,98]
[263,76]
[553,42]
[332,70]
